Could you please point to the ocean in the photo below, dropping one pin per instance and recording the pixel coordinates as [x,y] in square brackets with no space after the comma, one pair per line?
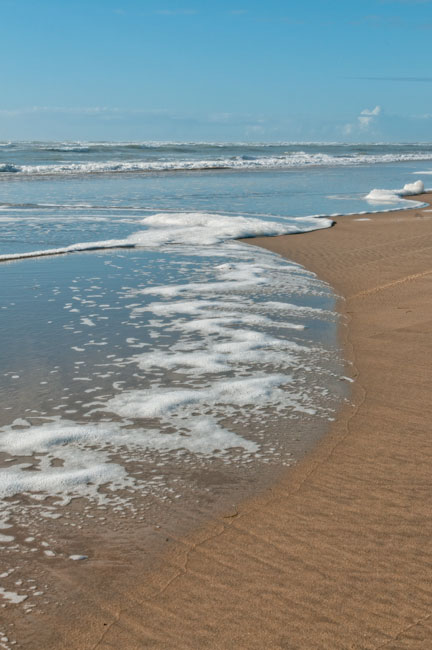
[151,363]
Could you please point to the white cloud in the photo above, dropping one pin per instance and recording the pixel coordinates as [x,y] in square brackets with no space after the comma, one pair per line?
[367,116]
[364,121]
[374,111]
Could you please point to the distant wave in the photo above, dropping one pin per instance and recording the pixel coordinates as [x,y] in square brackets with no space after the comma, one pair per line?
[167,144]
[289,160]
[7,167]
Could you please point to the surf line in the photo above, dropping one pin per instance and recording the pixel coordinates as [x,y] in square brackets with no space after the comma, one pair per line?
[21,256]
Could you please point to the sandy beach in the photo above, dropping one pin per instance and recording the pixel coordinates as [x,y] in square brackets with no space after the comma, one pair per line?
[338,554]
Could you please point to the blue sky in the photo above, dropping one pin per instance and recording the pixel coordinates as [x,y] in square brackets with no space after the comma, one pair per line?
[325,70]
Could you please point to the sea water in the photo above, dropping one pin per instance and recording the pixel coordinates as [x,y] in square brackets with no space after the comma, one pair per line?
[141,342]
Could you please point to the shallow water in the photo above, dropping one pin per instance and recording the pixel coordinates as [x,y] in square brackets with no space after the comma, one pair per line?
[159,342]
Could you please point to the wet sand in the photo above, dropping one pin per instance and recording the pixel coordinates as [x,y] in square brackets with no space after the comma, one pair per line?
[339,553]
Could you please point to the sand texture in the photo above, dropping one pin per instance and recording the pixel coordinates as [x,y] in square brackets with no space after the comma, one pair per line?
[339,554]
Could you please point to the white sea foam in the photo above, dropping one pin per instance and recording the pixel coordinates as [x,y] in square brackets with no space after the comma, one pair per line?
[12,596]
[188,307]
[86,449]
[63,482]
[158,403]
[187,228]
[231,332]
[214,338]
[411,189]
[293,309]
[69,441]
[389,196]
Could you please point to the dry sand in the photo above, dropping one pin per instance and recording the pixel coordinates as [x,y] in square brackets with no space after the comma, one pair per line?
[338,554]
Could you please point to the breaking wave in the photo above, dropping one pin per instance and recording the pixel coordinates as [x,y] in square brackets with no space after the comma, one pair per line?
[298,159]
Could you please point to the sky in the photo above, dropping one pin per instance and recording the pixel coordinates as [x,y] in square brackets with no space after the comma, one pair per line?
[201,70]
